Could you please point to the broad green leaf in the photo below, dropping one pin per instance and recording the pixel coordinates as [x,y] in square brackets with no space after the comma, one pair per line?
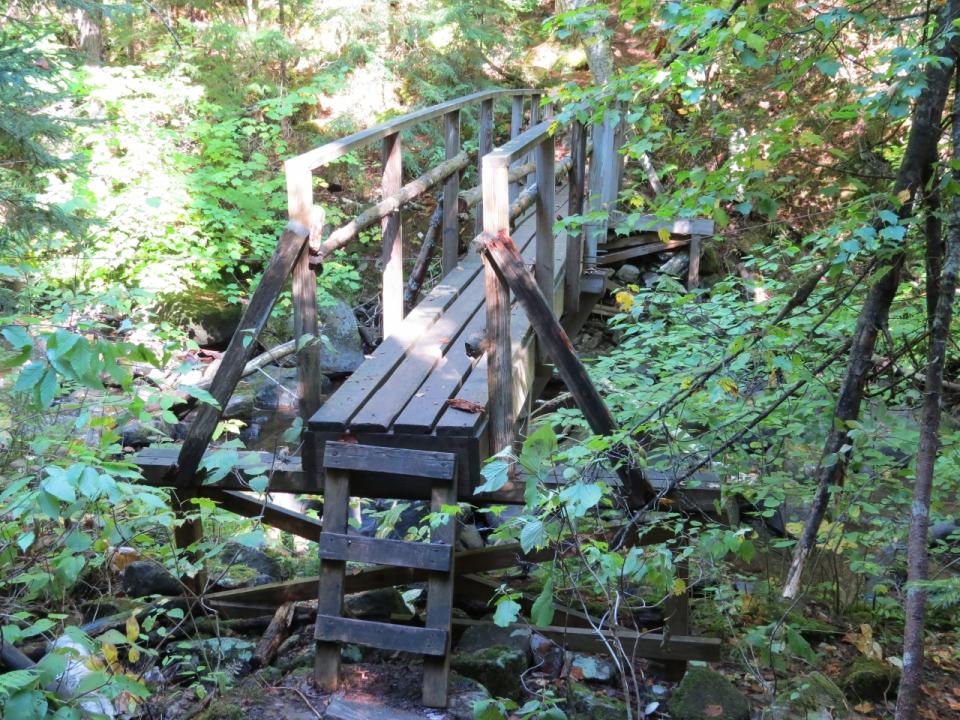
[507,612]
[17,336]
[533,535]
[541,614]
[57,484]
[580,497]
[496,473]
[201,395]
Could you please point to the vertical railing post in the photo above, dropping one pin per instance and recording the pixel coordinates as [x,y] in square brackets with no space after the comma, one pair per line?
[534,119]
[484,145]
[516,127]
[574,255]
[496,219]
[300,208]
[451,193]
[603,181]
[546,207]
[392,237]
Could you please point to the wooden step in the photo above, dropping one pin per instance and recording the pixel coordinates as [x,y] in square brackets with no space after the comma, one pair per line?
[355,548]
[385,636]
[395,461]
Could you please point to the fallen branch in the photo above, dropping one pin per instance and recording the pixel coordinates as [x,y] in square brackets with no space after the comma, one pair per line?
[277,352]
[419,271]
[276,633]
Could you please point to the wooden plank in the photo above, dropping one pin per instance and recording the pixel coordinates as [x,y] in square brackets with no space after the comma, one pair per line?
[272,514]
[332,630]
[325,154]
[356,548]
[396,461]
[516,123]
[450,248]
[546,209]
[601,186]
[523,143]
[391,228]
[484,146]
[336,413]
[653,224]
[693,273]
[436,670]
[534,120]
[309,377]
[641,250]
[501,252]
[650,645]
[574,254]
[380,410]
[326,672]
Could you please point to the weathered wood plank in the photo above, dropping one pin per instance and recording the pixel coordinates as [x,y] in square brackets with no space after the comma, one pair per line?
[546,209]
[309,377]
[326,671]
[693,272]
[574,255]
[396,461]
[450,247]
[516,123]
[385,636]
[391,228]
[640,250]
[485,145]
[356,548]
[653,224]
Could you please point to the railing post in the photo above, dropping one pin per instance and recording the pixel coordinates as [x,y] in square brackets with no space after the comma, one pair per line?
[451,193]
[574,256]
[603,181]
[484,145]
[516,126]
[300,208]
[534,119]
[496,219]
[392,237]
[546,207]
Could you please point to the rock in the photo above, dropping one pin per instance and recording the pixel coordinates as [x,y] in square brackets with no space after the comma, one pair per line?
[464,692]
[628,273]
[871,680]
[497,668]
[249,567]
[552,56]
[469,537]
[343,350]
[138,434]
[676,266]
[591,668]
[650,279]
[548,657]
[380,603]
[340,709]
[480,637]
[814,695]
[67,684]
[240,404]
[147,577]
[941,531]
[704,695]
[205,316]
[584,704]
[276,391]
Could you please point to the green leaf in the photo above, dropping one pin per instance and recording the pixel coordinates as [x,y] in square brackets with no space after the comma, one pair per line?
[252,539]
[541,614]
[496,473]
[507,612]
[17,336]
[533,535]
[201,395]
[58,485]
[25,705]
[580,497]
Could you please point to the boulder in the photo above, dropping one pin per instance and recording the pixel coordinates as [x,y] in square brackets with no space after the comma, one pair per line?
[585,704]
[591,668]
[249,567]
[548,657]
[871,680]
[148,577]
[342,351]
[628,274]
[707,695]
[469,538]
[677,266]
[276,392]
[464,693]
[205,316]
[341,709]
[497,668]
[814,695]
[480,637]
[380,603]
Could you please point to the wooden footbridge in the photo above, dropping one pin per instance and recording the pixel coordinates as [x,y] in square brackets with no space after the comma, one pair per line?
[446,388]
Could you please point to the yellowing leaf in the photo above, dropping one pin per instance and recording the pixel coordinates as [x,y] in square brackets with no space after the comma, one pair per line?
[110,653]
[809,138]
[903,195]
[133,629]
[664,234]
[679,586]
[624,300]
[133,654]
[728,386]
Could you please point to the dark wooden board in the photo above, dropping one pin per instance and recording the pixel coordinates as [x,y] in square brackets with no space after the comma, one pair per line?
[651,223]
[640,250]
[396,461]
[385,636]
[377,551]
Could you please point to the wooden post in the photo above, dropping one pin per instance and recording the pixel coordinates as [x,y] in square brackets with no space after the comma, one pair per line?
[503,257]
[693,274]
[534,119]
[546,207]
[602,190]
[574,258]
[309,379]
[619,138]
[496,219]
[450,248]
[484,145]
[336,500]
[392,237]
[516,125]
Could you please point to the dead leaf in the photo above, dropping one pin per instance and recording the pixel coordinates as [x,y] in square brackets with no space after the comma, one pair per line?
[465,405]
[864,707]
[576,673]
[713,710]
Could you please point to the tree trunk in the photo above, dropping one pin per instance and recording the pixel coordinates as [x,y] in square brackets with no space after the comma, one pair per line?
[91,38]
[915,171]
[939,323]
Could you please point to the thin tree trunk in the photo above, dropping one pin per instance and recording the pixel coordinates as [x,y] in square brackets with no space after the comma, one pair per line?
[916,605]
[915,171]
[89,24]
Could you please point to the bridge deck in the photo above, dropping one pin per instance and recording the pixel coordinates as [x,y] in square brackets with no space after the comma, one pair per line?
[423,388]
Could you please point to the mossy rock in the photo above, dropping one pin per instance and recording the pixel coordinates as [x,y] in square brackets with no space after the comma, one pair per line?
[497,668]
[585,704]
[223,710]
[871,680]
[814,695]
[707,695]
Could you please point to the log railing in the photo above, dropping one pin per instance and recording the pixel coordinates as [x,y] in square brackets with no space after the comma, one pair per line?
[299,174]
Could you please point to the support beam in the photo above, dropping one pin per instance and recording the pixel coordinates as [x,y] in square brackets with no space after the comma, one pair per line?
[392,282]
[451,190]
[574,258]
[484,145]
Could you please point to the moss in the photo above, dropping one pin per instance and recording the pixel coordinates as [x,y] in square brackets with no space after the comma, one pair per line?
[702,688]
[812,694]
[223,710]
[497,668]
[584,704]
[871,680]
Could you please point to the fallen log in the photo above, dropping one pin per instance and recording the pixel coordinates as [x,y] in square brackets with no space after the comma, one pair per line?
[277,352]
[276,633]
[343,235]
